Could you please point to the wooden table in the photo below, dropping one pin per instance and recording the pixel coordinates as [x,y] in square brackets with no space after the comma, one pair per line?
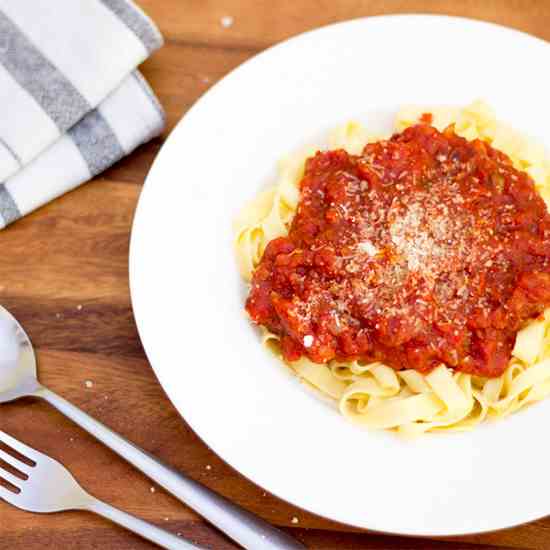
[63,273]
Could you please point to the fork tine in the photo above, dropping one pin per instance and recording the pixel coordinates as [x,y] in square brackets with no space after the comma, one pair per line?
[19,447]
[17,464]
[14,480]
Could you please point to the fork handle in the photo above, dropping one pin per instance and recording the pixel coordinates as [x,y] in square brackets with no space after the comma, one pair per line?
[243,527]
[148,531]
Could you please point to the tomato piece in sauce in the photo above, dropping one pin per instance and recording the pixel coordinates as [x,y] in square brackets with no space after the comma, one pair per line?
[424,249]
[426,118]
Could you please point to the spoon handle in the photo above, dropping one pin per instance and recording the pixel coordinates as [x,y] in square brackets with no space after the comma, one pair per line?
[243,527]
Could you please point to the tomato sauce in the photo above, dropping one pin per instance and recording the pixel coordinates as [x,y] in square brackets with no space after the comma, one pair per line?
[424,249]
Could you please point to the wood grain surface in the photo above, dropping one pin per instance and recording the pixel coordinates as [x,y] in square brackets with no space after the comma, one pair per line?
[63,273]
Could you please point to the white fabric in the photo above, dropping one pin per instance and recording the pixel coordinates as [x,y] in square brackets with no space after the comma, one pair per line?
[19,114]
[71,100]
[100,44]
[61,167]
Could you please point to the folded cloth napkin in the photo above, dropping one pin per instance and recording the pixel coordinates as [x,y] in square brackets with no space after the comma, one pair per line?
[71,100]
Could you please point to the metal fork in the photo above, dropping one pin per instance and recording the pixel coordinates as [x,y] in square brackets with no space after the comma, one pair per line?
[49,487]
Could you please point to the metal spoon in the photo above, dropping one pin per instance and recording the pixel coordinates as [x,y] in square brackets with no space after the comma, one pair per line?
[18,378]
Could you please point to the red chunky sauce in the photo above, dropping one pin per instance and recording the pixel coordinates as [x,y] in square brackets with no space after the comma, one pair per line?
[426,248]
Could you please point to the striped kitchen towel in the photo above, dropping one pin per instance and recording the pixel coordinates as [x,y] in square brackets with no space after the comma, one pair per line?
[71,100]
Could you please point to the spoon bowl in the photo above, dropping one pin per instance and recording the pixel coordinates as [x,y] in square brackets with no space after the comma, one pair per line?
[17,360]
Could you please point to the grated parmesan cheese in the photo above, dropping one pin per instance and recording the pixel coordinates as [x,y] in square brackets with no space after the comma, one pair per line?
[308,341]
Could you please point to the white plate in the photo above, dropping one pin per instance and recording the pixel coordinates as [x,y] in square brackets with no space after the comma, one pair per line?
[188,298]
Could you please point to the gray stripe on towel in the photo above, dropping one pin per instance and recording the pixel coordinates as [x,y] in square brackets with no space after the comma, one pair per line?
[43,81]
[137,21]
[9,211]
[96,142]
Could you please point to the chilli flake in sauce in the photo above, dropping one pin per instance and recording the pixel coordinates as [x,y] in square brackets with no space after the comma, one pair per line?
[424,249]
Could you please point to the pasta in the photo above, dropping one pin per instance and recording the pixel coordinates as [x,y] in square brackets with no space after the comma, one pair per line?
[375,395]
